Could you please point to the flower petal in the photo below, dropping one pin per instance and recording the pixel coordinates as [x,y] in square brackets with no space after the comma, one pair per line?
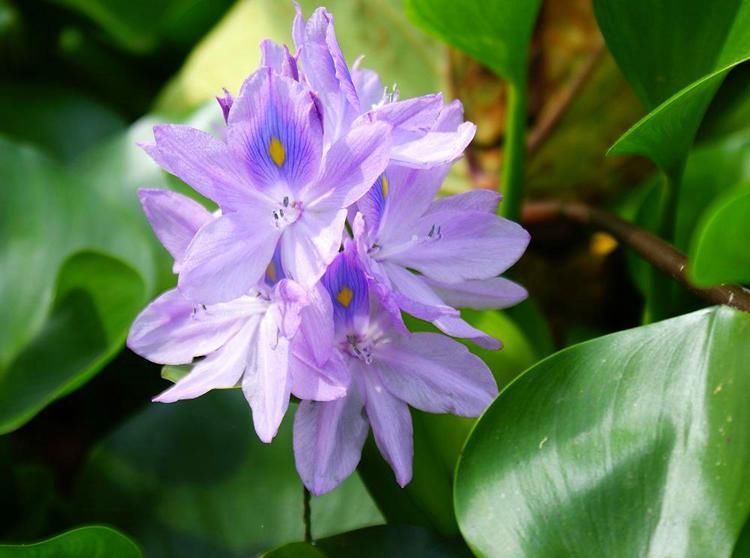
[368,86]
[454,246]
[435,374]
[414,295]
[352,165]
[267,383]
[474,200]
[327,73]
[410,118]
[275,128]
[317,324]
[391,423]
[277,57]
[480,294]
[203,162]
[434,148]
[317,382]
[455,326]
[173,330]
[221,369]
[309,245]
[328,440]
[228,256]
[175,219]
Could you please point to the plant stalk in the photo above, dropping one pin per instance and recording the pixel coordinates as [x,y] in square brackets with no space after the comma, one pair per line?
[514,151]
[306,514]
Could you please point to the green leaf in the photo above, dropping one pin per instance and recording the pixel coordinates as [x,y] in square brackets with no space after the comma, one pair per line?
[385,540]
[633,444]
[50,212]
[438,439]
[191,479]
[59,121]
[719,253]
[96,300]
[380,31]
[675,54]
[91,542]
[141,25]
[495,33]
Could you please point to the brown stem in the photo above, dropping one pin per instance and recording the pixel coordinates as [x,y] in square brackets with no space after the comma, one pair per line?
[650,247]
[560,104]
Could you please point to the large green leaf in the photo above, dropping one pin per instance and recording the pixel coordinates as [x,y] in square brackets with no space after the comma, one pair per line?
[374,542]
[495,33]
[438,439]
[191,479]
[97,298]
[88,542]
[675,54]
[719,253]
[380,31]
[633,444]
[49,212]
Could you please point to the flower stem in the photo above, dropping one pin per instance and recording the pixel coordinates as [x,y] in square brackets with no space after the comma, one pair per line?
[662,255]
[306,515]
[514,151]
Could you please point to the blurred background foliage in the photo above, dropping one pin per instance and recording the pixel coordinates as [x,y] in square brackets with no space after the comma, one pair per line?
[82,81]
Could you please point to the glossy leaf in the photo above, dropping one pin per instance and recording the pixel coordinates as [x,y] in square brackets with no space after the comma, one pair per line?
[379,31]
[438,439]
[385,540]
[91,542]
[495,33]
[632,444]
[675,55]
[719,252]
[191,479]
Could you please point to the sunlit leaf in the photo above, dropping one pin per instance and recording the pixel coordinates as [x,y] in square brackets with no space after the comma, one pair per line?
[191,479]
[633,444]
[91,542]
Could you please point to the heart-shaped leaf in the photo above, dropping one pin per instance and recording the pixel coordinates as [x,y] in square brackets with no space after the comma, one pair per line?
[633,444]
[91,542]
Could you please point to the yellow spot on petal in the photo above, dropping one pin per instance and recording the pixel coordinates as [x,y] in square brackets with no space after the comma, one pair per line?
[271,272]
[384,186]
[277,152]
[344,297]
[602,244]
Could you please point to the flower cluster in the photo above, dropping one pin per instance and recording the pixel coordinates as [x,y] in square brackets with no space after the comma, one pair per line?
[328,228]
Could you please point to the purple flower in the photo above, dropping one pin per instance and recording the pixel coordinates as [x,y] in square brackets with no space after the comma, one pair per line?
[390,369]
[276,185]
[272,341]
[430,256]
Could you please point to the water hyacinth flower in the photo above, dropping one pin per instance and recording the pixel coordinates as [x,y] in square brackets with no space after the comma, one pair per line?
[259,341]
[431,256]
[275,183]
[327,229]
[390,369]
